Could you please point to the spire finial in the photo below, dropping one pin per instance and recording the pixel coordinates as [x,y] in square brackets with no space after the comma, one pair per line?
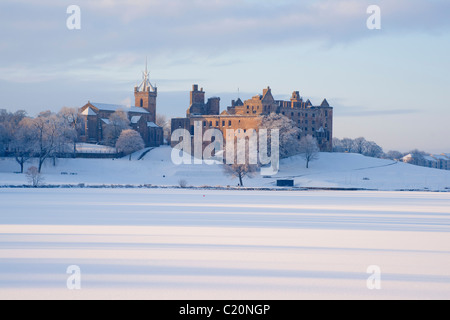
[145,84]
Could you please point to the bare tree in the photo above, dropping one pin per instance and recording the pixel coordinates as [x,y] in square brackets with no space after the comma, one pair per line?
[34,177]
[289,133]
[129,141]
[240,170]
[309,149]
[118,122]
[182,183]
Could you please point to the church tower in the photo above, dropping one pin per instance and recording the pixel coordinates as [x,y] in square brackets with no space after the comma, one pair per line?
[145,95]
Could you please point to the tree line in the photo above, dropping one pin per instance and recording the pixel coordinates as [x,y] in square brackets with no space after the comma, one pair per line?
[371,149]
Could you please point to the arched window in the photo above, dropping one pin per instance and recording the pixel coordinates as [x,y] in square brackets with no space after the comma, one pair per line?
[142,103]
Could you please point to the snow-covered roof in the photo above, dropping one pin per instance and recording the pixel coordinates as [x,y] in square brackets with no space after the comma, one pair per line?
[407,157]
[152,125]
[116,107]
[88,112]
[106,121]
[429,158]
[135,119]
[440,157]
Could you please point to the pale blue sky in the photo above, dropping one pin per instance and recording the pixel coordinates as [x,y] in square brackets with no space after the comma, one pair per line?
[389,85]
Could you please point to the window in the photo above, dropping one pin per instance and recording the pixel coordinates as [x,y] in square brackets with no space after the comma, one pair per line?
[313,129]
[229,123]
[326,113]
[314,115]
[313,122]
[204,123]
[223,123]
[306,121]
[210,123]
[292,114]
[217,123]
[299,114]
[306,129]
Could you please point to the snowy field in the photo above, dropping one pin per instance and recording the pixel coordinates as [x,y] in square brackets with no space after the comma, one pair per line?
[332,170]
[192,244]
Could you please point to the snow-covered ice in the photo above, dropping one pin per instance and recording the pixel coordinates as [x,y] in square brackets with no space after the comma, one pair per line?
[193,244]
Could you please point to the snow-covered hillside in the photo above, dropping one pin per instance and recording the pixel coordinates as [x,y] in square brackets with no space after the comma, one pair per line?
[332,170]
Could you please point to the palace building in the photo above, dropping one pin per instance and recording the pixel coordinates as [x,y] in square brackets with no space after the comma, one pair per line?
[142,116]
[312,120]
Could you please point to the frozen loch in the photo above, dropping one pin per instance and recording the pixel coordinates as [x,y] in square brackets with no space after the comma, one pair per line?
[194,244]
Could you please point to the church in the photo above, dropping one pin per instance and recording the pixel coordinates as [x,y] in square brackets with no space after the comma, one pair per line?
[142,116]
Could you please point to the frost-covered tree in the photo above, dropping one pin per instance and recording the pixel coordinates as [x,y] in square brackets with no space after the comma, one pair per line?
[34,177]
[9,123]
[23,145]
[289,133]
[118,122]
[337,145]
[309,149]
[129,141]
[417,157]
[47,136]
[359,145]
[371,149]
[163,122]
[394,155]
[347,145]
[70,125]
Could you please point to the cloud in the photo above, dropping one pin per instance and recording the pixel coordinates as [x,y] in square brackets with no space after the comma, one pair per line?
[35,39]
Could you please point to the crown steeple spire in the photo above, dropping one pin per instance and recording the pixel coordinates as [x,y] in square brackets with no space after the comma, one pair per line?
[145,84]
